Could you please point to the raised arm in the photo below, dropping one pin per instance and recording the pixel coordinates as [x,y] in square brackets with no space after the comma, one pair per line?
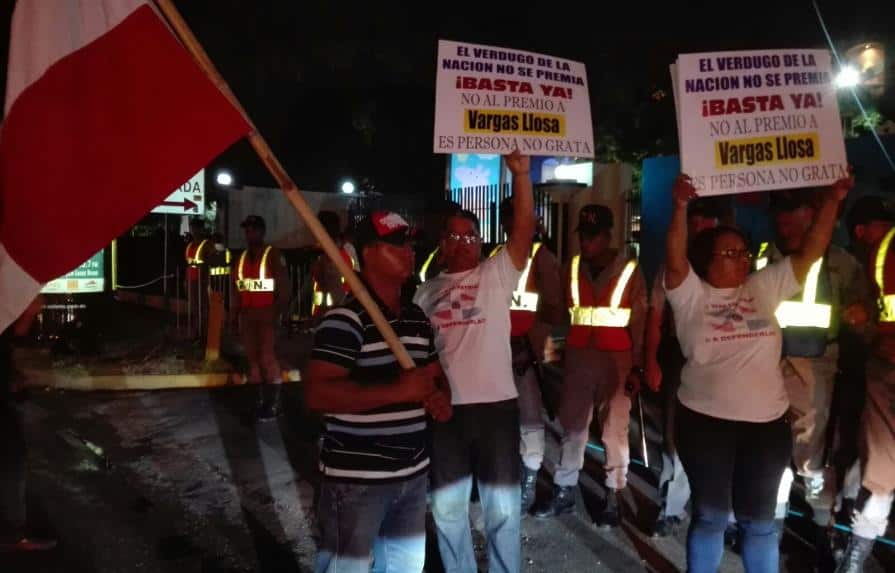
[519,242]
[818,238]
[676,264]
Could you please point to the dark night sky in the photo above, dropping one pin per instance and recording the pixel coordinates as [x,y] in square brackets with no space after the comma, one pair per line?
[347,89]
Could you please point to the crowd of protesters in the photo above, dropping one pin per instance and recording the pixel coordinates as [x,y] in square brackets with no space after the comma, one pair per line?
[745,344]
[760,355]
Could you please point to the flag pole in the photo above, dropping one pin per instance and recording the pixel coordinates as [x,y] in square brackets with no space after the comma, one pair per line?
[287,185]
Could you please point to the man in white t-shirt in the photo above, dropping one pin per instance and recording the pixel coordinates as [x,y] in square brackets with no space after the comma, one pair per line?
[469,307]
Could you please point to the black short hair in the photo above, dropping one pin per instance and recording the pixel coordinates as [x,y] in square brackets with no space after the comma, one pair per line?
[702,247]
[464,214]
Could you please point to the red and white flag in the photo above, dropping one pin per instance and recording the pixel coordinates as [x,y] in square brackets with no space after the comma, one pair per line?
[106,113]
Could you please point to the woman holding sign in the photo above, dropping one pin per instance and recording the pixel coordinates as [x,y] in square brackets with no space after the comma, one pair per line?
[733,435]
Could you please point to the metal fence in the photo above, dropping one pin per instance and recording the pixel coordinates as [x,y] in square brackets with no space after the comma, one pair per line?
[484,202]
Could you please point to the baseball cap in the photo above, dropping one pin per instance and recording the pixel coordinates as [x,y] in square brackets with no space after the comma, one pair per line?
[594,219]
[254,221]
[867,209]
[384,226]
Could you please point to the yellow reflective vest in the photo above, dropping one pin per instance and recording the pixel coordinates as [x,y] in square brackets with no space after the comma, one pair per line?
[886,299]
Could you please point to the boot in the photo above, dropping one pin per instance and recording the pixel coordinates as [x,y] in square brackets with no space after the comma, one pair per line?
[270,403]
[855,554]
[666,525]
[561,501]
[529,482]
[611,514]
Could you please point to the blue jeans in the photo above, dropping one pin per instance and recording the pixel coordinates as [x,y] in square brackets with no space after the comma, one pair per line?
[705,542]
[733,464]
[480,440]
[385,521]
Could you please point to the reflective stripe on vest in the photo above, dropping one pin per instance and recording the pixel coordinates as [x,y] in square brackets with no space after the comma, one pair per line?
[222,270]
[319,297]
[612,315]
[886,301]
[806,312]
[761,259]
[426,264]
[259,284]
[195,260]
[522,299]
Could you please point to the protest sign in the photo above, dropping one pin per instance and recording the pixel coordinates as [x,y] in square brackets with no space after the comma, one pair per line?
[758,120]
[495,100]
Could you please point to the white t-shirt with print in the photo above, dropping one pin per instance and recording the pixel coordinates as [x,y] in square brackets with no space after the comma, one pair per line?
[470,313]
[733,344]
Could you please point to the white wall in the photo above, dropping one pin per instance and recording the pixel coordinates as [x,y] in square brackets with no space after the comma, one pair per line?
[285,229]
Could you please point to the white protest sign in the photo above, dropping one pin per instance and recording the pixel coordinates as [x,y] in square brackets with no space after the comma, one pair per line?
[495,100]
[758,120]
[188,199]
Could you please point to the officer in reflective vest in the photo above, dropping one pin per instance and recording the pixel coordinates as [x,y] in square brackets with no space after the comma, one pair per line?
[196,251]
[537,305]
[328,286]
[260,281]
[871,225]
[603,361]
[810,322]
[430,266]
[322,299]
[197,276]
[219,259]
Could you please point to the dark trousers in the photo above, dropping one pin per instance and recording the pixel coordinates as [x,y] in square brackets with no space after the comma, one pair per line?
[12,471]
[480,440]
[735,465]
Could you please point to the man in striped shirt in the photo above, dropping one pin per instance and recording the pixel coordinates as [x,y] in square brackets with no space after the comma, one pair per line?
[375,457]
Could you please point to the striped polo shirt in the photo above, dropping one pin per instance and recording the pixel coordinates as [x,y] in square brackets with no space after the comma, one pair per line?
[385,444]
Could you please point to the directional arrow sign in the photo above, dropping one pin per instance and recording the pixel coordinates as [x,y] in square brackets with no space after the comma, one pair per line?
[188,199]
[186,206]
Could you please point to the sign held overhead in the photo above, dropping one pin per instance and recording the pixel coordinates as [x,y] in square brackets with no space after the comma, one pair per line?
[496,100]
[758,120]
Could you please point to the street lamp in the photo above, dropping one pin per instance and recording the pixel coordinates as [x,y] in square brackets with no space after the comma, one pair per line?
[224,178]
[848,77]
[348,187]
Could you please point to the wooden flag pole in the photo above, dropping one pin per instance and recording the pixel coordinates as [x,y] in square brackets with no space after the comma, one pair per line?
[287,185]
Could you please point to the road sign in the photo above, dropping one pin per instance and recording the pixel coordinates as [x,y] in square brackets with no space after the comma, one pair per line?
[89,277]
[188,199]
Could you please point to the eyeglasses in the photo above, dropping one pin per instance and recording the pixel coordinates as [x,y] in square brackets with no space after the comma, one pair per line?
[735,254]
[468,239]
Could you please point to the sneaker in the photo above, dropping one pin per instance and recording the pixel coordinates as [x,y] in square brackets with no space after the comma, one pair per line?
[561,501]
[666,526]
[270,403]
